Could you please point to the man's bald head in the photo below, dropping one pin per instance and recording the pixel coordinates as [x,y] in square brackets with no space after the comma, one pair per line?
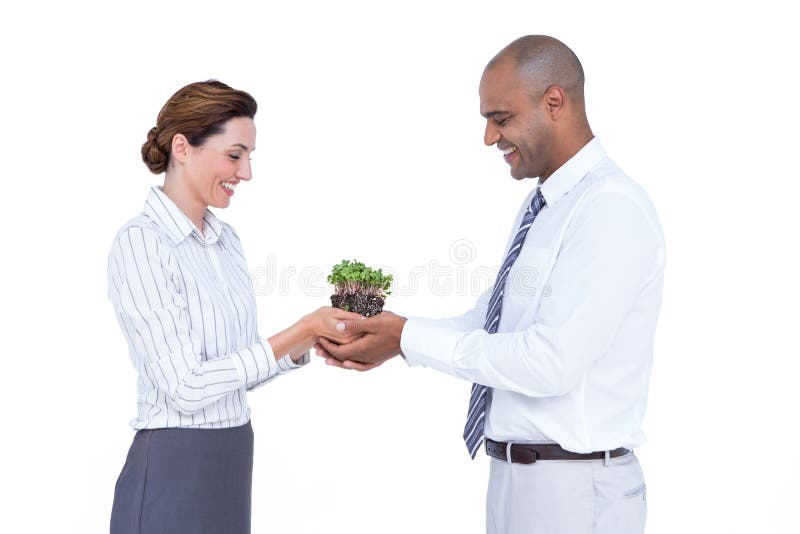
[532,97]
[542,62]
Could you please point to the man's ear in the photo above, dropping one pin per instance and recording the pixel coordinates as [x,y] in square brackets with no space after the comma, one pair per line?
[554,99]
[180,148]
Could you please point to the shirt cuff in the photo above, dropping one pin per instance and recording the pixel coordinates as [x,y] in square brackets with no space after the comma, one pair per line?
[257,363]
[286,363]
[426,343]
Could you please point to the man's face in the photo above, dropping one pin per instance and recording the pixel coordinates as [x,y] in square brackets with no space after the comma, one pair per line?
[516,121]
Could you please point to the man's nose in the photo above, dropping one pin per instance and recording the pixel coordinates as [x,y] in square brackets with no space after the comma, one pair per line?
[491,135]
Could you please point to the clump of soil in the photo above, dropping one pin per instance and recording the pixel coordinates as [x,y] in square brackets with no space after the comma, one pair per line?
[366,305]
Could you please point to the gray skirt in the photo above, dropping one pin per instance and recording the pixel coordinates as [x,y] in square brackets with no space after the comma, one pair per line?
[186,480]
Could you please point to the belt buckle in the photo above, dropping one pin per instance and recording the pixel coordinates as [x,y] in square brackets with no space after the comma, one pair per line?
[526,461]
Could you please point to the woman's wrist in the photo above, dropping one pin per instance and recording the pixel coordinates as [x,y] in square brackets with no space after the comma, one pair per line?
[308,327]
[295,340]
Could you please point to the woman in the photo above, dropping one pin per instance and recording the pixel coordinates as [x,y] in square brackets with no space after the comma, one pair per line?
[179,284]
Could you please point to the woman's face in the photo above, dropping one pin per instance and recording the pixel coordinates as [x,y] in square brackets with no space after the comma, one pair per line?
[215,168]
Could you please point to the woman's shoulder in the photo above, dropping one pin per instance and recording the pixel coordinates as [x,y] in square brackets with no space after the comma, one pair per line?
[227,228]
[140,227]
[229,236]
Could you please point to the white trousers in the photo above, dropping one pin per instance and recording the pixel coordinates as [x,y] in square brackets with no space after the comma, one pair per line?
[567,497]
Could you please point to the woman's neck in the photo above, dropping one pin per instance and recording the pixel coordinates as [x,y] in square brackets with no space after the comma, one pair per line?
[182,197]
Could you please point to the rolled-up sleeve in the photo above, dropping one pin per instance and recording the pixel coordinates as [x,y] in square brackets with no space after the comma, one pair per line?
[156,317]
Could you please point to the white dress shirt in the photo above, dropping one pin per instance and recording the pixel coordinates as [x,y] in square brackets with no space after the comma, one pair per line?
[571,360]
[185,303]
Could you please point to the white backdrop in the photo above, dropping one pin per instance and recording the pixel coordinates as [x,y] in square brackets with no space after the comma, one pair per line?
[370,146]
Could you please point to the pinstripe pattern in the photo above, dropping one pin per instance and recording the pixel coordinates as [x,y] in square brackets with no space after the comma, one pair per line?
[473,430]
[186,306]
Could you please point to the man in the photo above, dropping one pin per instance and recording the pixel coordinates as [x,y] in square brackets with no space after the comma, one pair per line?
[560,370]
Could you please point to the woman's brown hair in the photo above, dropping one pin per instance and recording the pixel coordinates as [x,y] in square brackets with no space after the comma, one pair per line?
[197,111]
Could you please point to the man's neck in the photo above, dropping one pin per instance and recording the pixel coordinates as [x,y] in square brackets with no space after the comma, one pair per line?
[566,150]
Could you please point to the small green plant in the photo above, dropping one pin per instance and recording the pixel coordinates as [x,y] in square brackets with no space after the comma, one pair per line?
[353,277]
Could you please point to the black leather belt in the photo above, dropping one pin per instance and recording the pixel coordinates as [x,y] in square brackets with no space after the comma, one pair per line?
[522,453]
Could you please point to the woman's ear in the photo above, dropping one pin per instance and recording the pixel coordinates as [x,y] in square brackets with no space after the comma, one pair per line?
[180,148]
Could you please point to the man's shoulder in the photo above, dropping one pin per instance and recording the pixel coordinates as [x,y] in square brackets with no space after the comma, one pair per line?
[608,185]
[607,179]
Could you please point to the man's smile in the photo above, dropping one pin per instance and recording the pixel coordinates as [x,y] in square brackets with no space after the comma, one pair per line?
[508,153]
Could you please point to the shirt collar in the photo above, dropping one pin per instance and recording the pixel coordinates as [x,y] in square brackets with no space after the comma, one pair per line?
[570,173]
[175,223]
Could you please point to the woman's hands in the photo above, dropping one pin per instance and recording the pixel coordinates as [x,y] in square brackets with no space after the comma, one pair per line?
[305,333]
[322,323]
[380,342]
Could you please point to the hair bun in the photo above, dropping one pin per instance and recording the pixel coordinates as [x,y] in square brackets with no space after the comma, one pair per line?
[152,154]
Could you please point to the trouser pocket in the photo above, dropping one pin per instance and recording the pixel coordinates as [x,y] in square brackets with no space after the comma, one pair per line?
[620,497]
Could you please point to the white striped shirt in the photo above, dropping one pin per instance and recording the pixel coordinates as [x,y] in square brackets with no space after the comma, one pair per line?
[186,306]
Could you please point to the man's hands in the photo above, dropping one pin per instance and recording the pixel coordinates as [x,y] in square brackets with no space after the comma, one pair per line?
[377,340]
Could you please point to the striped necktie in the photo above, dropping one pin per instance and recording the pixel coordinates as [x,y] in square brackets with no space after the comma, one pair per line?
[473,430]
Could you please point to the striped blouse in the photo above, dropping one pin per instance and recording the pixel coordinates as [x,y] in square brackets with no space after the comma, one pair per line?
[186,306]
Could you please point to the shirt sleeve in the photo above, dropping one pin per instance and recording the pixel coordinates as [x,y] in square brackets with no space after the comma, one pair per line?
[472,319]
[607,257]
[153,310]
[285,365]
